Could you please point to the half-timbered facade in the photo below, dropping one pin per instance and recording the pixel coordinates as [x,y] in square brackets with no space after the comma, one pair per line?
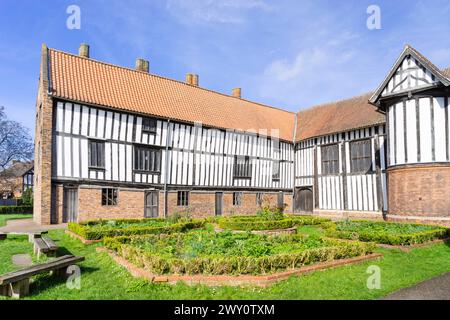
[116,142]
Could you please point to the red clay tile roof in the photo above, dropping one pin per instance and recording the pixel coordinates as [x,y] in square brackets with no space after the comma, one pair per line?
[93,82]
[337,116]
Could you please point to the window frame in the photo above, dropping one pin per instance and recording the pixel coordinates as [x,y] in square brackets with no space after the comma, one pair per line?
[359,168]
[237,199]
[183,197]
[152,169]
[276,176]
[247,174]
[111,194]
[97,143]
[325,164]
[149,129]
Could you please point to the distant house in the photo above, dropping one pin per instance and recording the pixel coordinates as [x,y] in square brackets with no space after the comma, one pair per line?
[16,179]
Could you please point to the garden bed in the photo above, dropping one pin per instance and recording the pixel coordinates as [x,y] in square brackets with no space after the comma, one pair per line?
[230,280]
[226,253]
[98,229]
[387,233]
[257,223]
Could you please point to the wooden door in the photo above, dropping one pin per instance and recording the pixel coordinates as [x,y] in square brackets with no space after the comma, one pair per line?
[219,203]
[304,201]
[151,204]
[70,205]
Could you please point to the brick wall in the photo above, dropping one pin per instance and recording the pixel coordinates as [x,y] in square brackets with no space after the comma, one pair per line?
[130,204]
[43,148]
[58,191]
[202,204]
[422,191]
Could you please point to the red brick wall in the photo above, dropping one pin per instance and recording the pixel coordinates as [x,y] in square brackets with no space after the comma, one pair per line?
[202,204]
[43,148]
[130,204]
[422,191]
[59,202]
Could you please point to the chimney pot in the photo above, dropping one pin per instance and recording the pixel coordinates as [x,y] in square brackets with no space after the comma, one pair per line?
[192,79]
[236,92]
[189,77]
[83,51]
[142,65]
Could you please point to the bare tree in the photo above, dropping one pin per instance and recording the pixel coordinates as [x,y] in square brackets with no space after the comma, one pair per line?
[15,141]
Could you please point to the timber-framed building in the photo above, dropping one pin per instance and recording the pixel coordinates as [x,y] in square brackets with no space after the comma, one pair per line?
[114,142]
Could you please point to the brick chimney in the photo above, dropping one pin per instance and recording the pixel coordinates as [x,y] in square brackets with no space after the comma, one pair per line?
[236,92]
[142,65]
[83,51]
[192,79]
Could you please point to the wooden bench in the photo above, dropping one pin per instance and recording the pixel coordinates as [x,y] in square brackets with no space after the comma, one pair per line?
[44,245]
[17,284]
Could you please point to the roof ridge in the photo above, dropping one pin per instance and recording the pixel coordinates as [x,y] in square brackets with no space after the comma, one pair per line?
[325,104]
[169,79]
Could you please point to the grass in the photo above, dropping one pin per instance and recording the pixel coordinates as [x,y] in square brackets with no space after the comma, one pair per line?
[104,279]
[6,217]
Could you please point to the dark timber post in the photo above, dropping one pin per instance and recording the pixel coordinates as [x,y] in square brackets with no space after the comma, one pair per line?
[168,139]
[316,181]
[344,175]
[378,173]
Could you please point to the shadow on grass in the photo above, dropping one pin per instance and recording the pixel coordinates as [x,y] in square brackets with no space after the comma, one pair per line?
[447,242]
[62,251]
[49,280]
[45,281]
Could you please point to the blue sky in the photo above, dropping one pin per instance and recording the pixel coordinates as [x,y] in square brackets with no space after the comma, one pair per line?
[290,54]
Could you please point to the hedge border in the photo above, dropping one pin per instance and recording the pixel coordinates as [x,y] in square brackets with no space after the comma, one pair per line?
[255,223]
[82,229]
[391,239]
[239,265]
[227,280]
[16,210]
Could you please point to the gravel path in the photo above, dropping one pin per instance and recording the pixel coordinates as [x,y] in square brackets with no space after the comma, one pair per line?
[434,289]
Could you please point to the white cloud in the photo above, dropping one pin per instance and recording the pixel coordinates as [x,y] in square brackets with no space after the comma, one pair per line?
[214,11]
[313,75]
[284,70]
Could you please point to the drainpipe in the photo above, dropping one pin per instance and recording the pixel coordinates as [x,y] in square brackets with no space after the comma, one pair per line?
[166,175]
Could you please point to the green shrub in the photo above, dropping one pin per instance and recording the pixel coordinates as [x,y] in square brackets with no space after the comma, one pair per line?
[277,254]
[16,209]
[114,228]
[27,197]
[248,223]
[387,232]
[270,214]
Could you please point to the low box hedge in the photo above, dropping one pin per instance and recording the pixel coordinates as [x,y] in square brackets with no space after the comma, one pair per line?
[86,231]
[389,233]
[16,209]
[233,265]
[249,223]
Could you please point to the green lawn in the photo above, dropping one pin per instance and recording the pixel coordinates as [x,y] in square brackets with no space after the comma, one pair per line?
[104,279]
[6,217]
